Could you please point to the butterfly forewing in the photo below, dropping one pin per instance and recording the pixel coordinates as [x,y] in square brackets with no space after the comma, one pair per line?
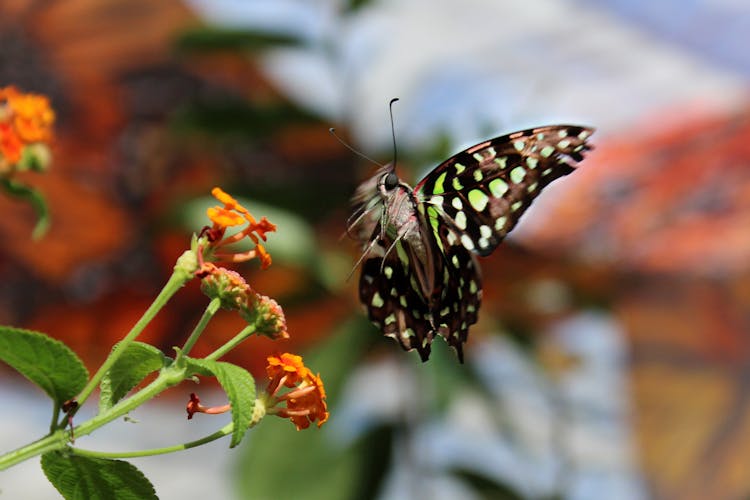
[481,192]
[420,277]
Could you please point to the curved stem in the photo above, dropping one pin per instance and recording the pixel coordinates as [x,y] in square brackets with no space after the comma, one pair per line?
[221,351]
[211,309]
[224,431]
[175,282]
[166,378]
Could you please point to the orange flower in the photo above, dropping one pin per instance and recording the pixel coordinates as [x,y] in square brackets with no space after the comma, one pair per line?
[305,403]
[287,369]
[25,120]
[32,117]
[10,145]
[230,215]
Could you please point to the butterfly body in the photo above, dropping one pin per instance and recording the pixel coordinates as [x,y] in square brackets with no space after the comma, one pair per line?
[420,276]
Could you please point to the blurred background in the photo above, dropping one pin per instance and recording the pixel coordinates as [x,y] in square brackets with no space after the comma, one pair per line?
[612,355]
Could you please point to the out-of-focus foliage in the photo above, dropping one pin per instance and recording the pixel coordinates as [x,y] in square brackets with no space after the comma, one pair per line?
[652,232]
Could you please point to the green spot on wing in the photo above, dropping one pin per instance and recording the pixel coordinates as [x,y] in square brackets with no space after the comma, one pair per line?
[547,151]
[478,199]
[460,220]
[517,174]
[439,189]
[498,187]
[432,213]
[377,300]
[402,254]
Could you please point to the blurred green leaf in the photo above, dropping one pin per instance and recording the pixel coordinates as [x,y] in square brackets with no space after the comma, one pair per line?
[129,370]
[207,38]
[293,242]
[355,5]
[86,478]
[239,386]
[238,117]
[280,462]
[488,488]
[46,362]
[375,450]
[444,375]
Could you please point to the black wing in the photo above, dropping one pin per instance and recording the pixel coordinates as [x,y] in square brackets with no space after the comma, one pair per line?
[481,192]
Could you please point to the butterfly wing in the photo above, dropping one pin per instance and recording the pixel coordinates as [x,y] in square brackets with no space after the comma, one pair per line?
[481,192]
[398,306]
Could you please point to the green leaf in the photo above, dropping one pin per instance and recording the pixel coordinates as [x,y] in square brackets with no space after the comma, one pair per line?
[86,478]
[46,362]
[487,487]
[239,386]
[35,199]
[355,5]
[210,38]
[237,119]
[129,370]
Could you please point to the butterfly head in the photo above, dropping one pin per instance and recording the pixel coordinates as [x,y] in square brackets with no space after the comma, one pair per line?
[389,181]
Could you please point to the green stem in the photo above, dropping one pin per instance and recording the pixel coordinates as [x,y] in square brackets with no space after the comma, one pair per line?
[37,201]
[177,280]
[221,351]
[168,377]
[211,309]
[224,431]
[55,441]
[55,415]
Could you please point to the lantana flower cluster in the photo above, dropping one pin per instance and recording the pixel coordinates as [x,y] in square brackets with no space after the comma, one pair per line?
[26,122]
[305,400]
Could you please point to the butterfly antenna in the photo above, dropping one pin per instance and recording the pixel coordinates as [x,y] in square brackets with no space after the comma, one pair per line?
[393,134]
[350,148]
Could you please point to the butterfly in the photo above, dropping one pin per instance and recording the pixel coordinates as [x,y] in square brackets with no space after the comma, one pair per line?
[420,275]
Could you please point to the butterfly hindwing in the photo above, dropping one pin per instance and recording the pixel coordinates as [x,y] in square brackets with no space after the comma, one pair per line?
[460,297]
[394,304]
[397,305]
